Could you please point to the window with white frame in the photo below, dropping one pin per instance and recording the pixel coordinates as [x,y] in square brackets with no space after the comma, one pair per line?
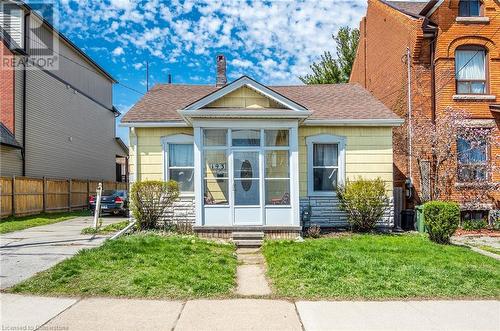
[179,161]
[326,159]
[470,70]
[277,167]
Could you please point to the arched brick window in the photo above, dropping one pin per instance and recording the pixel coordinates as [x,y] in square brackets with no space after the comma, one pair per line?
[471,70]
[469,8]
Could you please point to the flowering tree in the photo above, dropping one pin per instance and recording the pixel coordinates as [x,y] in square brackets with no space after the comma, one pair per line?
[441,164]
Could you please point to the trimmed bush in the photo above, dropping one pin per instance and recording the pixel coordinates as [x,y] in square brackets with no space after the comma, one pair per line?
[442,219]
[150,199]
[365,202]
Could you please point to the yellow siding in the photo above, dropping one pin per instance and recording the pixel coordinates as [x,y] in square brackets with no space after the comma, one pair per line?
[150,151]
[368,152]
[244,97]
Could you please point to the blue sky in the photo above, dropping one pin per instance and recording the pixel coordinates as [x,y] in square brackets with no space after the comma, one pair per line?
[271,41]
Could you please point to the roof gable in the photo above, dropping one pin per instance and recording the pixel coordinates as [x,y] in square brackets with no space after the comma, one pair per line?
[244,97]
[247,82]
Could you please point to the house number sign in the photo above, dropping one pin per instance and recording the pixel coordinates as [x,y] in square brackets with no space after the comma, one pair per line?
[219,168]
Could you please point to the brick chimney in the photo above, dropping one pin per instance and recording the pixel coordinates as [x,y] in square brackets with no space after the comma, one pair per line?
[221,71]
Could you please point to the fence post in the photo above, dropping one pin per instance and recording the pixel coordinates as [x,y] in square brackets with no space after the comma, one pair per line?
[14,196]
[44,198]
[69,193]
[88,194]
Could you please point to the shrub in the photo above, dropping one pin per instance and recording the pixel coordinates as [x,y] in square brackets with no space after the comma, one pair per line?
[474,224]
[365,202]
[442,219]
[314,231]
[150,199]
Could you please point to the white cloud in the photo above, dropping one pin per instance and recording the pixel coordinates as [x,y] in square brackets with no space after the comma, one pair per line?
[122,4]
[137,66]
[241,63]
[118,51]
[272,41]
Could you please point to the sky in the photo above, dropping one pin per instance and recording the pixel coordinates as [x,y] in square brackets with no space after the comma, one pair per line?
[273,42]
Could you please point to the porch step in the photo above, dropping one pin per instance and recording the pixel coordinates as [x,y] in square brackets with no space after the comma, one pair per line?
[248,235]
[250,239]
[255,243]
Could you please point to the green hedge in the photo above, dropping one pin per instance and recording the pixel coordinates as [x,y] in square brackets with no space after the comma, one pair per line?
[442,219]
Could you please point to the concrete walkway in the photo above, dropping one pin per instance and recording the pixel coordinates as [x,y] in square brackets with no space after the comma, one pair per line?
[251,273]
[24,253]
[30,313]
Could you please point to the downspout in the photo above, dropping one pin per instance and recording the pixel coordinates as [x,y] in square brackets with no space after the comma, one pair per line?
[25,63]
[433,79]
[410,128]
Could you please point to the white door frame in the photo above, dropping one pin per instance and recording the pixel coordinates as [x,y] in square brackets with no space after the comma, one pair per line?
[291,125]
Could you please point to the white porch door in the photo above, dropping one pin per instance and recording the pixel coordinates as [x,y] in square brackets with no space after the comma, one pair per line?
[247,187]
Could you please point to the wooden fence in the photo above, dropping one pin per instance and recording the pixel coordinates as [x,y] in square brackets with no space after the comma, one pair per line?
[20,196]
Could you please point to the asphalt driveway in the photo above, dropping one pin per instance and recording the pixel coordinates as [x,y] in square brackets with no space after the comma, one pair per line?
[24,253]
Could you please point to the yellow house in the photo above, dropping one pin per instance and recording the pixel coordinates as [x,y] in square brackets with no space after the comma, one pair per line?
[247,155]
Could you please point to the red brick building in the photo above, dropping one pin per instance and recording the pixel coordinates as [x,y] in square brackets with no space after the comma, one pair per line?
[454,54]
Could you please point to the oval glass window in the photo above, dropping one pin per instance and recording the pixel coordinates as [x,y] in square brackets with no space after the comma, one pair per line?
[246,172]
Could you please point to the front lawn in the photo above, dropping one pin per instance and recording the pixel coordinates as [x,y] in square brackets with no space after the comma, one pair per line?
[12,224]
[142,265]
[110,228]
[379,267]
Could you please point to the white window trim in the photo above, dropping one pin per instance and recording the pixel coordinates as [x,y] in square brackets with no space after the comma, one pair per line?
[325,139]
[177,139]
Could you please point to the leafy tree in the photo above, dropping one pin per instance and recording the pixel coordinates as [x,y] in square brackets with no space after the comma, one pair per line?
[330,70]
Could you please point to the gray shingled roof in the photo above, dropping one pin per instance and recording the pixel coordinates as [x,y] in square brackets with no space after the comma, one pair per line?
[412,7]
[326,101]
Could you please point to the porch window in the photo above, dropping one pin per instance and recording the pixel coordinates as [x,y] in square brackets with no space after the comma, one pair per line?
[216,181]
[326,159]
[179,161]
[277,167]
[470,70]
[469,8]
[472,159]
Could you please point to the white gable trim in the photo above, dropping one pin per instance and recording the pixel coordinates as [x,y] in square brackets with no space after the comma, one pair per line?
[248,82]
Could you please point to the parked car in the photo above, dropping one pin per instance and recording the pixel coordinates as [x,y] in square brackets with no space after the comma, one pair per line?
[112,202]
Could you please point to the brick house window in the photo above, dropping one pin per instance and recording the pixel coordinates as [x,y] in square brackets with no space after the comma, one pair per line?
[469,8]
[472,159]
[470,70]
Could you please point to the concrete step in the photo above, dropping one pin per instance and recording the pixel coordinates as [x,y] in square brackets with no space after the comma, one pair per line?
[248,243]
[248,235]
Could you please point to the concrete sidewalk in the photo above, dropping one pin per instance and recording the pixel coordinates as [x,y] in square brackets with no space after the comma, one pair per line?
[24,253]
[30,313]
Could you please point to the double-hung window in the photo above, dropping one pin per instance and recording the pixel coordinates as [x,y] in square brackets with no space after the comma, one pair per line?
[179,161]
[325,167]
[472,159]
[469,8]
[470,70]
[326,159]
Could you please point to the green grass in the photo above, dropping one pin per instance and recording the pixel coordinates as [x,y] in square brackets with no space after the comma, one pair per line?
[11,224]
[110,228]
[379,267]
[142,265]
